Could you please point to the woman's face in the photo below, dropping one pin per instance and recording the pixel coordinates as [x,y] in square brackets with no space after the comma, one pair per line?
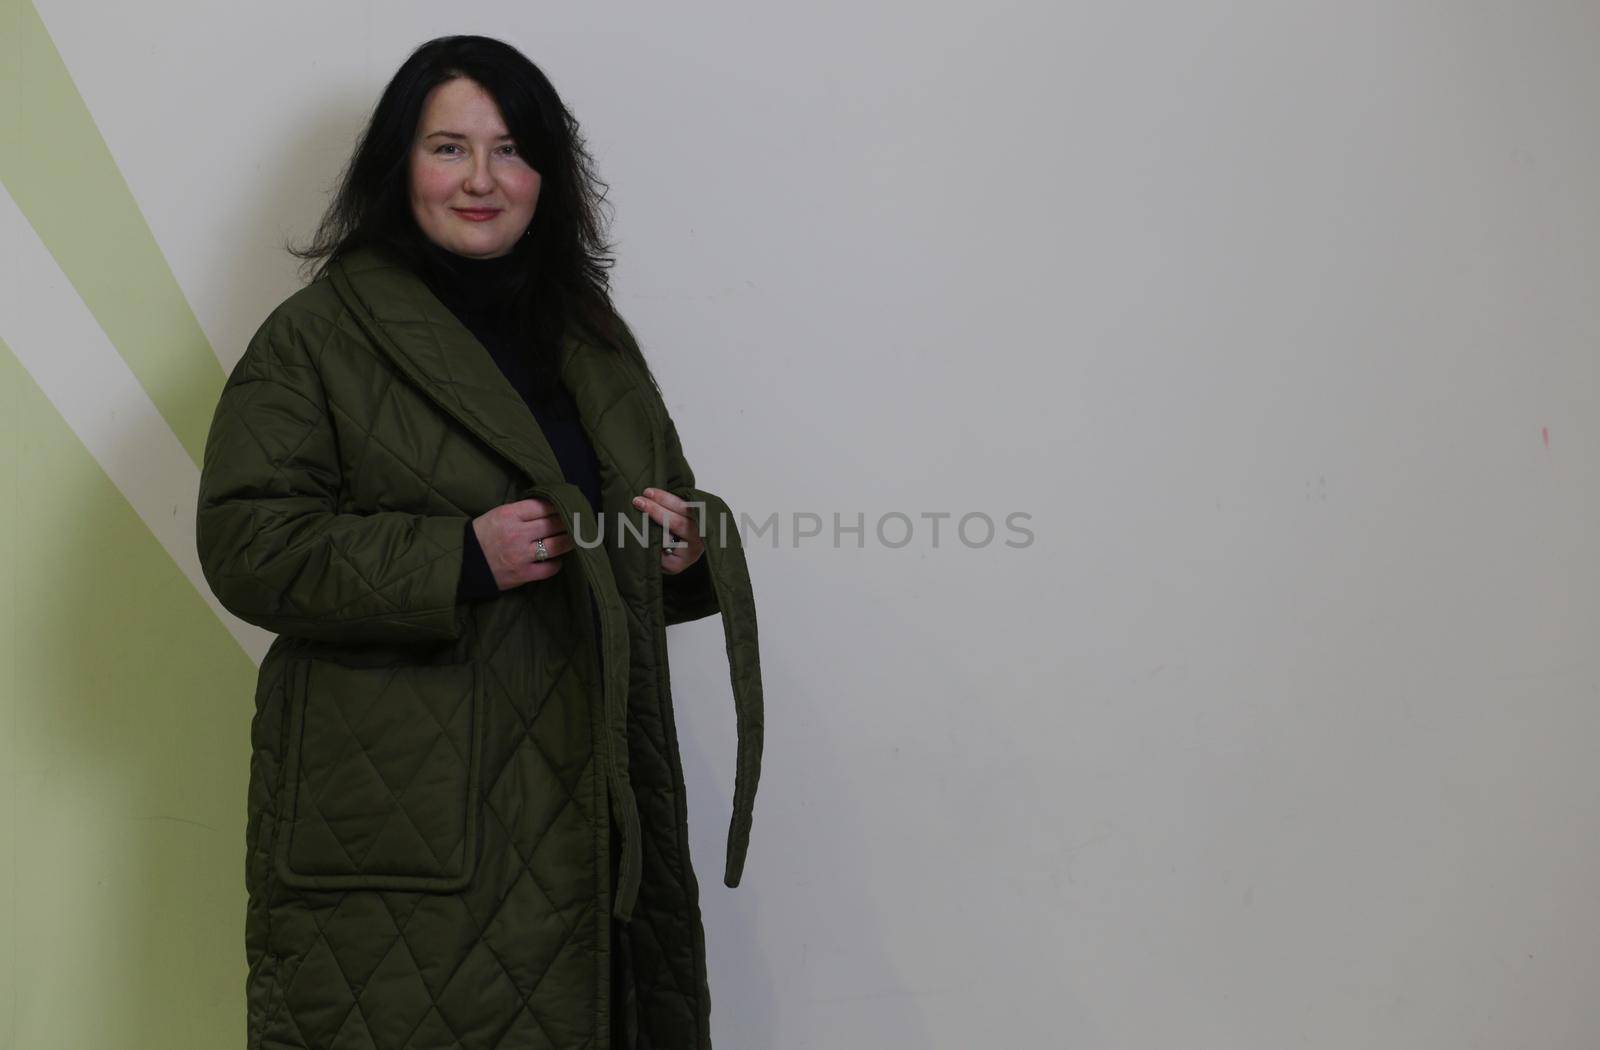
[471,191]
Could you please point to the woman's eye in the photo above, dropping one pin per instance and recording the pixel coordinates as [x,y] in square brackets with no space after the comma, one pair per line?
[510,149]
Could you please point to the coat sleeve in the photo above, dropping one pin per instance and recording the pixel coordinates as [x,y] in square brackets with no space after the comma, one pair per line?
[688,595]
[272,544]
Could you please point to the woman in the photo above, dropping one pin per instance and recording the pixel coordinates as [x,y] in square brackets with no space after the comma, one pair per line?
[466,807]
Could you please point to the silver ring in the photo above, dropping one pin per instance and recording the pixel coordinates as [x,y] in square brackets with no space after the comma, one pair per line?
[539,553]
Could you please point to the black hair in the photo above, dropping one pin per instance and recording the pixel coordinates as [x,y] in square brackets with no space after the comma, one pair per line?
[565,257]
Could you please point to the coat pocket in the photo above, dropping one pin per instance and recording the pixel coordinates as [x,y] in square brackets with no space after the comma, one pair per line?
[381,776]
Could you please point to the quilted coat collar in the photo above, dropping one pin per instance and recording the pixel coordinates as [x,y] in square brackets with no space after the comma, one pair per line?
[436,350]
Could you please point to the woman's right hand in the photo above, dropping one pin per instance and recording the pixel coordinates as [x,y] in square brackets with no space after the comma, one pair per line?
[507,535]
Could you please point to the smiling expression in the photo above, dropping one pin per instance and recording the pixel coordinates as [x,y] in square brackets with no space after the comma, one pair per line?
[471,191]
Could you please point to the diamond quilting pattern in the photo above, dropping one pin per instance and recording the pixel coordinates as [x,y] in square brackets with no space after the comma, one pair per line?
[383,767]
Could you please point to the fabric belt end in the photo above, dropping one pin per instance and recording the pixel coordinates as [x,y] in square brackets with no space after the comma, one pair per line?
[627,892]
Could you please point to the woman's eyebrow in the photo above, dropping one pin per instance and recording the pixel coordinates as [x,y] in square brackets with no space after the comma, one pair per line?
[457,135]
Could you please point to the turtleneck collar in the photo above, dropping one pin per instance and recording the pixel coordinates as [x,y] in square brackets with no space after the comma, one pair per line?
[467,283]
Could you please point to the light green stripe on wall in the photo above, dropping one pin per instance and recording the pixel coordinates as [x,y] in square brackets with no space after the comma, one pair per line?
[124,761]
[60,172]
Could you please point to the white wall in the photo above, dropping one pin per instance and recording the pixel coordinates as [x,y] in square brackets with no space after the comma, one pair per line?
[1279,319]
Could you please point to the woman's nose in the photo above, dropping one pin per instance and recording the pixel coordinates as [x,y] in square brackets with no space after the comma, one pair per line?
[478,176]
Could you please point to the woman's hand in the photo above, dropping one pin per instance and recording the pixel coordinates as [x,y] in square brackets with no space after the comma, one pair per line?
[673,514]
[508,535]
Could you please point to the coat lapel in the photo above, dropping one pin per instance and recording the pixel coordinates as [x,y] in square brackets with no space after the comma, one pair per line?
[446,362]
[443,358]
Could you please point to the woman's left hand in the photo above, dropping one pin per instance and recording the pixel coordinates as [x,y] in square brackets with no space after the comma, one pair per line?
[674,516]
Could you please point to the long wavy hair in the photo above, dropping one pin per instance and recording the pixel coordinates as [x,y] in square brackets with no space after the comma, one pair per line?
[563,281]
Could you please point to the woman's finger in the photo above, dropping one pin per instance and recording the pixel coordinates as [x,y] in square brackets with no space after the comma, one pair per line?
[675,516]
[533,509]
[668,500]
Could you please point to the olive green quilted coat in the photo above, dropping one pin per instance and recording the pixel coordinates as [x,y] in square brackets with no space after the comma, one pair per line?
[434,787]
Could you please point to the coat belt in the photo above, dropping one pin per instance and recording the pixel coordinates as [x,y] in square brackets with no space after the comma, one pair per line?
[730,580]
[613,745]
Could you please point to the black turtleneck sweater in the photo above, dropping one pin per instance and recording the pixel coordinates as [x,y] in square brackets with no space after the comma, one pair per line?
[478,292]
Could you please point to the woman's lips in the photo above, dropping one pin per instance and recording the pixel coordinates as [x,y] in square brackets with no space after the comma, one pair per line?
[477,214]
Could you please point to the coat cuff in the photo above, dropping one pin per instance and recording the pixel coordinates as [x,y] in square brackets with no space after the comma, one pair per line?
[690,594]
